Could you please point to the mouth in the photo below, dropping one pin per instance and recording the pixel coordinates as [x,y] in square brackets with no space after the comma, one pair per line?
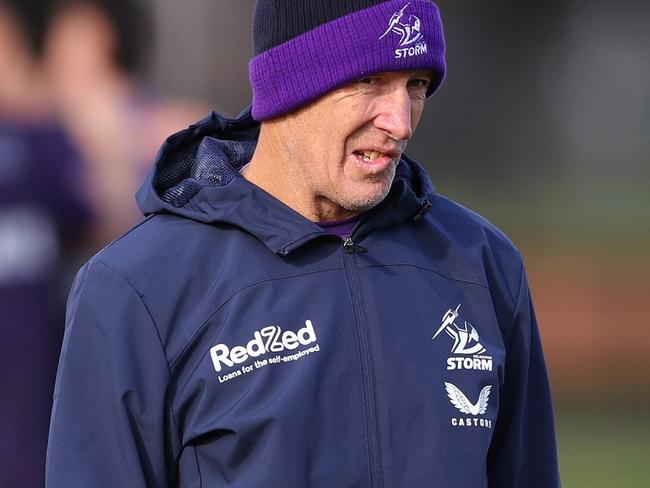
[370,155]
[372,162]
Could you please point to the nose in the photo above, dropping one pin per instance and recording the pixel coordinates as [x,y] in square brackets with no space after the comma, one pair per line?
[394,115]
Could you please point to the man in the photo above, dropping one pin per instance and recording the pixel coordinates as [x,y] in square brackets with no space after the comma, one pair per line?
[300,308]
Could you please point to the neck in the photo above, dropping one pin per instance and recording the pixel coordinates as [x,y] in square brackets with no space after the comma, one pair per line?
[272,170]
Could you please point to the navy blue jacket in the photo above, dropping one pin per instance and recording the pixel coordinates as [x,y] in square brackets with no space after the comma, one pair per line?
[226,341]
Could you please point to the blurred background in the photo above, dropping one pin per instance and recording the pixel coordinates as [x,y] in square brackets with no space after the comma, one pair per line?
[542,126]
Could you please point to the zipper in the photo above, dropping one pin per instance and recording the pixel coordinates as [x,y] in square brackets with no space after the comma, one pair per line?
[350,263]
[350,247]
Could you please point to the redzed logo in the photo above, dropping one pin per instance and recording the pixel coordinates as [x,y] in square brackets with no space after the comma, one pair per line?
[267,340]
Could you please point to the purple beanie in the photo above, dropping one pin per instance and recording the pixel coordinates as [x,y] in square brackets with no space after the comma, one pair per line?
[397,35]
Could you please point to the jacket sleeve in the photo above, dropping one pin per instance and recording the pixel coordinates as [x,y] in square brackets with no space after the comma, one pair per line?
[110,426]
[523,450]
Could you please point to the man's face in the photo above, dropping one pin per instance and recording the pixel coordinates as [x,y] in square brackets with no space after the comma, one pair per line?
[344,147]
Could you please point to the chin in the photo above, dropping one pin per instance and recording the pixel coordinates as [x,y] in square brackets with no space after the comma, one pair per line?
[358,202]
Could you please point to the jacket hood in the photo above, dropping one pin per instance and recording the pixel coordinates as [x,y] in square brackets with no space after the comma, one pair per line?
[196,176]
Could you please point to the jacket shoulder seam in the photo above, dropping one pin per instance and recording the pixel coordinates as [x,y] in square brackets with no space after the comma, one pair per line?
[141,300]
[423,268]
[231,296]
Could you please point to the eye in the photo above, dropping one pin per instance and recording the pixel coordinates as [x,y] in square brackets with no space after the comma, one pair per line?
[418,87]
[369,80]
[420,83]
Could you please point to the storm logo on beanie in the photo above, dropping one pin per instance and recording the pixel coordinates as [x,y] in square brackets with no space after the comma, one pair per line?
[408,27]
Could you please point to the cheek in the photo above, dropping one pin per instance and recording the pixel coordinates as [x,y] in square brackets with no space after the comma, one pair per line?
[332,146]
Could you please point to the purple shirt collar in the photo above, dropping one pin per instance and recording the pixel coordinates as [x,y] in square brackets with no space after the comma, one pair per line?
[342,228]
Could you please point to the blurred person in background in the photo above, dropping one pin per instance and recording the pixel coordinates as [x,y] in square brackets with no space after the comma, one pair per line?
[96,52]
[43,219]
[76,134]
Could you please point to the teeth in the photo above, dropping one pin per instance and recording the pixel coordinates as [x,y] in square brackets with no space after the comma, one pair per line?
[370,155]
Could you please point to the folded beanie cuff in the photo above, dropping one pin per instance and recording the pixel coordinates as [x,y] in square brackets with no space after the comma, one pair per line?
[392,36]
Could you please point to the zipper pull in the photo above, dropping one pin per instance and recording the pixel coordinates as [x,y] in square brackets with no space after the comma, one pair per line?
[350,247]
[422,211]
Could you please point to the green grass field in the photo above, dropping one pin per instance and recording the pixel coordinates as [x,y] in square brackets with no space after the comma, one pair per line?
[604,450]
